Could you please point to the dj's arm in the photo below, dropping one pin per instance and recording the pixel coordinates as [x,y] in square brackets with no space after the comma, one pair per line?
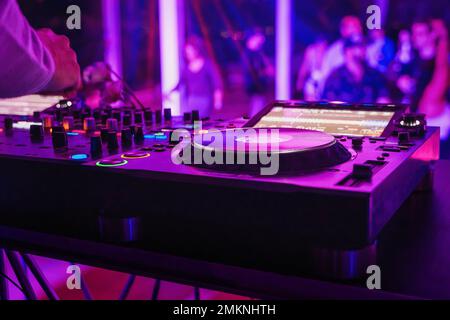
[26,65]
[30,61]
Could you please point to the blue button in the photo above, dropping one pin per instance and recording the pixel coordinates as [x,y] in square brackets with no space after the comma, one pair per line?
[79,157]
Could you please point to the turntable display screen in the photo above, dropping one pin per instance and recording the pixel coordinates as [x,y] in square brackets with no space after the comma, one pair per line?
[333,121]
[26,105]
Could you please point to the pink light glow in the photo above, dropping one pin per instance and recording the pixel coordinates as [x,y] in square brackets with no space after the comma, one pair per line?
[283,49]
[112,34]
[170,53]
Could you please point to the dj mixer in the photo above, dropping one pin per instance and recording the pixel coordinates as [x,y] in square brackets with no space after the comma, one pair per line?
[108,175]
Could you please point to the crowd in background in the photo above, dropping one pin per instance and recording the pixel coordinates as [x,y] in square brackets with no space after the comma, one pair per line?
[373,68]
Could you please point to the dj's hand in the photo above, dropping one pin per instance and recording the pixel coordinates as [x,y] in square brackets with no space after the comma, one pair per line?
[67,76]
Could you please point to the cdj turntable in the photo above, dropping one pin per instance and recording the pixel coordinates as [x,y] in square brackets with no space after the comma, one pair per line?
[108,174]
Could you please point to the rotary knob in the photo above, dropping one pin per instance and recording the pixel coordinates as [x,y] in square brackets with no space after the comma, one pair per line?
[403,137]
[139,135]
[36,132]
[167,114]
[127,120]
[127,138]
[138,117]
[113,144]
[158,116]
[414,124]
[148,115]
[8,123]
[187,117]
[357,143]
[112,124]
[195,115]
[89,124]
[96,147]
[59,139]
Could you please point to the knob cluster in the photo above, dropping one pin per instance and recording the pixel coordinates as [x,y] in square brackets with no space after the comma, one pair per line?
[411,123]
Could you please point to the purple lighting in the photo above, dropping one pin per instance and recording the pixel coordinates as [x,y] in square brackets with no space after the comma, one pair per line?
[170,53]
[283,49]
[112,34]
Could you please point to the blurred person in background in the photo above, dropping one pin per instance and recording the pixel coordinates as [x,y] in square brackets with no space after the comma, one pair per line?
[433,101]
[401,72]
[355,81]
[259,74]
[33,61]
[350,27]
[380,50]
[310,76]
[200,80]
[417,73]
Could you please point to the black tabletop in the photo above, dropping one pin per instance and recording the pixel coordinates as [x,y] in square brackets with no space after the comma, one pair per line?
[413,254]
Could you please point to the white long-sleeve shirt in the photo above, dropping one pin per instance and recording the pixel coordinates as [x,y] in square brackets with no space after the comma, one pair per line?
[26,66]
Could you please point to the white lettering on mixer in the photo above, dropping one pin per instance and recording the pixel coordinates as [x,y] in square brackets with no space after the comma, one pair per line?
[231,147]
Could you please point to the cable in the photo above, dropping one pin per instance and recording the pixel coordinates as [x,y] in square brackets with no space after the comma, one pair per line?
[4,276]
[156,289]
[126,87]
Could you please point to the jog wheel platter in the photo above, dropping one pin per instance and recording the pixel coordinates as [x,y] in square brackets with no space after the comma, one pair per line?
[248,149]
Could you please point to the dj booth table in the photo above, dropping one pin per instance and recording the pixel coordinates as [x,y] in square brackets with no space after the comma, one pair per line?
[412,254]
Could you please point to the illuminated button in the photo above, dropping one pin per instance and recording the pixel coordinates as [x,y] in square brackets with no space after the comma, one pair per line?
[136,155]
[68,123]
[160,136]
[79,157]
[112,163]
[47,121]
[150,136]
